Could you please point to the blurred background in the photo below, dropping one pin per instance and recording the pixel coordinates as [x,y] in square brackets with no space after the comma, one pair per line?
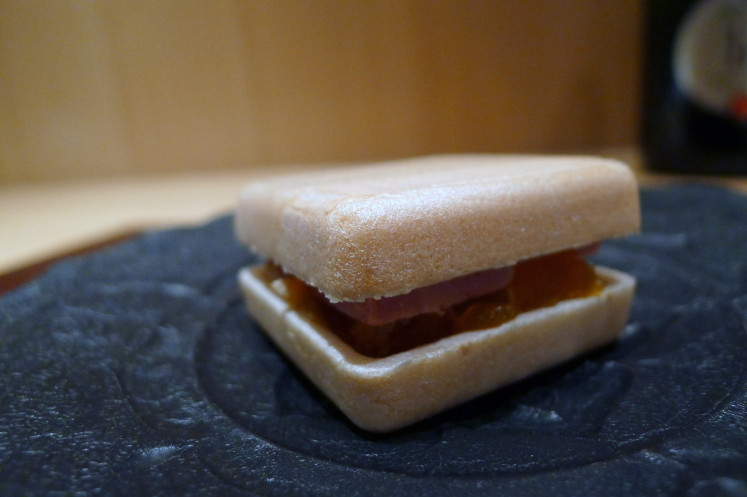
[103,88]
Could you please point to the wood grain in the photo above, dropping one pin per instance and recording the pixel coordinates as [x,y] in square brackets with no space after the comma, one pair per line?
[108,87]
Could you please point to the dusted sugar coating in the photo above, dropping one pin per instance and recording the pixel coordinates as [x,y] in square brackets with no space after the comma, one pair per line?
[386,229]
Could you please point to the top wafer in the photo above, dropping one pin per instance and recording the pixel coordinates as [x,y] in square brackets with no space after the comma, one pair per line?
[386,229]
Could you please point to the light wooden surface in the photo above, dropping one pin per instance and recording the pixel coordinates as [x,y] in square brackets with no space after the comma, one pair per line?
[106,87]
[41,220]
[38,221]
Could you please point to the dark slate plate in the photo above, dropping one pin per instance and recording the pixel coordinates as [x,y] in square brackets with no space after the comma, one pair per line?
[137,370]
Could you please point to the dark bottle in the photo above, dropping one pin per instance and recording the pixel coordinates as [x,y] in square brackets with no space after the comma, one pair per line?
[695,86]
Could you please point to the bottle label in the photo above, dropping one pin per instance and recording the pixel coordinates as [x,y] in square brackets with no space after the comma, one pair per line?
[710,57]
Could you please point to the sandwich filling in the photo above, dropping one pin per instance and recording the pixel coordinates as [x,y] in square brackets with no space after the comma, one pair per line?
[487,299]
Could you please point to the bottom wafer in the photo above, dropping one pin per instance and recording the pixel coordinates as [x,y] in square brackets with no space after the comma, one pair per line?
[384,394]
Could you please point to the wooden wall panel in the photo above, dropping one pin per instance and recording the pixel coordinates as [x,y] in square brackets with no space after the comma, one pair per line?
[58,92]
[113,86]
[530,75]
[333,80]
[183,78]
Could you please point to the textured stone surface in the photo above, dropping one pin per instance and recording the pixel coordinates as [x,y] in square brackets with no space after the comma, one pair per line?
[138,370]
